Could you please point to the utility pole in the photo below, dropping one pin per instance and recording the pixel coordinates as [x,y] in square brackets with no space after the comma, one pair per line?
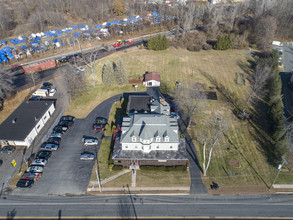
[279,170]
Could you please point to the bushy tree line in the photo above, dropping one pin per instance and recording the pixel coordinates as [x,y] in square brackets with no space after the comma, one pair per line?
[158,43]
[114,73]
[278,129]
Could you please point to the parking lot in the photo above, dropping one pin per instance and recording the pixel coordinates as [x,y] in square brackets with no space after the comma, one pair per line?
[65,173]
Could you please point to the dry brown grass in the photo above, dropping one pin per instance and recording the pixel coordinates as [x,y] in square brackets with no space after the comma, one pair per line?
[11,104]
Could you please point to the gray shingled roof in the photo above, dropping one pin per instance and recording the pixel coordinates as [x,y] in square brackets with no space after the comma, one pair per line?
[148,125]
[24,117]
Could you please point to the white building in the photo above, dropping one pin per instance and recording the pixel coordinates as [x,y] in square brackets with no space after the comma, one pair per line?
[152,79]
[24,124]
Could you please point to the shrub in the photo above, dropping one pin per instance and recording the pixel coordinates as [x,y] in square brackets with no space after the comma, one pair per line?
[163,168]
[207,47]
[194,48]
[224,43]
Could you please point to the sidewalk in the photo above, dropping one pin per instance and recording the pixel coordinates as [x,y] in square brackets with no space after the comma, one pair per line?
[95,183]
[136,189]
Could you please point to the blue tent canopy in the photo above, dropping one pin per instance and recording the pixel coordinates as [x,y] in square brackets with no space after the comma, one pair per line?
[155,13]
[98,26]
[24,47]
[37,38]
[108,24]
[3,42]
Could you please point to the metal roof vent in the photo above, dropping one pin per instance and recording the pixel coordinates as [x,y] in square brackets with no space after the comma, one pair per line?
[14,121]
[36,118]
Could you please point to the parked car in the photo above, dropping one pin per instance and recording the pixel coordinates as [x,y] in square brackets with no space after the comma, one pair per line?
[7,150]
[98,126]
[47,84]
[101,120]
[40,161]
[35,169]
[60,129]
[67,118]
[49,146]
[44,154]
[90,141]
[128,42]
[35,98]
[54,140]
[87,156]
[66,123]
[56,134]
[30,176]
[25,183]
[52,92]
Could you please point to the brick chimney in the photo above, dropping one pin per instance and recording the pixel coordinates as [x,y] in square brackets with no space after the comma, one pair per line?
[162,101]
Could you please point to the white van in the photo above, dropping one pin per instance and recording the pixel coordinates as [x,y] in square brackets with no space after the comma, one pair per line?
[41,92]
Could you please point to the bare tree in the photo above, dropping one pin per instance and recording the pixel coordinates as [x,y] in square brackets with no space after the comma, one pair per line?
[262,73]
[34,77]
[188,100]
[90,62]
[210,135]
[74,82]
[6,85]
[265,29]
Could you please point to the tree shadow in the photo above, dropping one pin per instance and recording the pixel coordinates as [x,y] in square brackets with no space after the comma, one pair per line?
[11,214]
[230,97]
[242,155]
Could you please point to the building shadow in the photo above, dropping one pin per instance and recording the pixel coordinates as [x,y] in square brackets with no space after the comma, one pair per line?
[11,214]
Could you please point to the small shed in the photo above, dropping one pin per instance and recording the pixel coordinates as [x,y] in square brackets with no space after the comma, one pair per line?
[151,79]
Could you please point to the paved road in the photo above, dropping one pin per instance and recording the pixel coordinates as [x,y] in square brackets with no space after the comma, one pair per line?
[135,206]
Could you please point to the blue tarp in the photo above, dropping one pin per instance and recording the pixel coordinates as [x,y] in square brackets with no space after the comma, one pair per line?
[67,31]
[10,55]
[3,42]
[155,13]
[5,49]
[76,35]
[108,24]
[37,38]
[59,32]
[24,47]
[34,42]
[98,26]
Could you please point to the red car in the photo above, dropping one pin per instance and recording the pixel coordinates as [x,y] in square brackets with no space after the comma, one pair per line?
[129,42]
[98,126]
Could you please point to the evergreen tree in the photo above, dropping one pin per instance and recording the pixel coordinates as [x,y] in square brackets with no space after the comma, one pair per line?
[165,43]
[120,72]
[108,77]
[224,43]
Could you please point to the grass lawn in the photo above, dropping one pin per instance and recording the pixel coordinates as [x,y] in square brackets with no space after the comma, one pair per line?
[17,175]
[246,144]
